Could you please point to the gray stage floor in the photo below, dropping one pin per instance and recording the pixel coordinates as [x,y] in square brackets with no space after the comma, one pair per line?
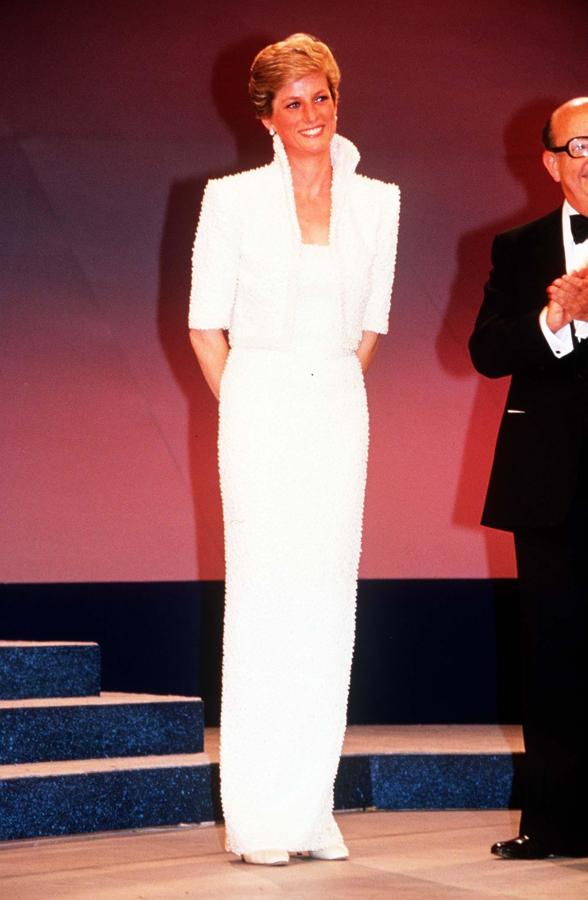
[393,854]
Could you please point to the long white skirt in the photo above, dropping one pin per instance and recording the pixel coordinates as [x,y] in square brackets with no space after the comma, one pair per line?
[293,440]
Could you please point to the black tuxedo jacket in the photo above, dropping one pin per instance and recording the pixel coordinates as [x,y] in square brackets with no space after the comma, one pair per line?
[540,442]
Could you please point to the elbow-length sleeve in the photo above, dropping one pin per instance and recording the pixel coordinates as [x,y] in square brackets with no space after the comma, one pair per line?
[215,258]
[377,309]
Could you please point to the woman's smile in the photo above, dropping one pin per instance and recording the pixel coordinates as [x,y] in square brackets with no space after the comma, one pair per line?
[304,115]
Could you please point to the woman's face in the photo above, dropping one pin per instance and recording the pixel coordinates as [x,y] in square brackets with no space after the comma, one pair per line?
[304,115]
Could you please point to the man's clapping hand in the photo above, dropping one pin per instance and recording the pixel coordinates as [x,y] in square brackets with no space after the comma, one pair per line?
[568,299]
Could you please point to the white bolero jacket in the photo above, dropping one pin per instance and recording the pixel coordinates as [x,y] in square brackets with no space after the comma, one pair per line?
[247,249]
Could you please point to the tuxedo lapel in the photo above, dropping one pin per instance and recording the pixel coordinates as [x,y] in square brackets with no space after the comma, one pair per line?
[548,249]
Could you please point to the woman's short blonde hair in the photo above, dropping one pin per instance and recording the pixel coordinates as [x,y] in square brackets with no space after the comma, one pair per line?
[287,60]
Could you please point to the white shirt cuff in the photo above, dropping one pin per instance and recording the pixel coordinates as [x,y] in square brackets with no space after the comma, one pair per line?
[560,342]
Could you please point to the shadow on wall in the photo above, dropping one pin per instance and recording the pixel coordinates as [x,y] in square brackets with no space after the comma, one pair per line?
[522,146]
[229,92]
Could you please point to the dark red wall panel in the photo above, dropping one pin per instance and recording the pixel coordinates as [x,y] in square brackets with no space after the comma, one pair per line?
[114,116]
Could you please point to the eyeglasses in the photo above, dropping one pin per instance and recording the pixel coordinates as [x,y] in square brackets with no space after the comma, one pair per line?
[576,147]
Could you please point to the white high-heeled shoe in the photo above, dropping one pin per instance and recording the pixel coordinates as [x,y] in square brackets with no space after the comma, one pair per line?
[267,858]
[335,852]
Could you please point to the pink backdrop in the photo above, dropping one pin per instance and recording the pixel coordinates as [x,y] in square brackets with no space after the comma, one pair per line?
[114,116]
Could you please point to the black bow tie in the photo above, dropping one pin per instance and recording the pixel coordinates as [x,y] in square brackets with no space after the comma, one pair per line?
[579,228]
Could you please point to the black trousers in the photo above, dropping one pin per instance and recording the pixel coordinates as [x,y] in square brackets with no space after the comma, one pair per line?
[553,578]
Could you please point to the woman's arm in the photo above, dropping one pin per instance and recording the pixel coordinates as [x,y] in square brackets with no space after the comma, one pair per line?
[367,349]
[211,348]
[215,265]
[386,205]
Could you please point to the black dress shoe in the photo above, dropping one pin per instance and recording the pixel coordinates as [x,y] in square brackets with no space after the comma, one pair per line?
[522,847]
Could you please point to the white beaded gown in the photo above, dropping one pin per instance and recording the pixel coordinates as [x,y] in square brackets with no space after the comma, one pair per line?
[293,439]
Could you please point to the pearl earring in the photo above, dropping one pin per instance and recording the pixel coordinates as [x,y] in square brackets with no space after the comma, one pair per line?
[272,131]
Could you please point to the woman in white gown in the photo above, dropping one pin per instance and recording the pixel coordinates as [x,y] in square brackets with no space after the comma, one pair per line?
[294,261]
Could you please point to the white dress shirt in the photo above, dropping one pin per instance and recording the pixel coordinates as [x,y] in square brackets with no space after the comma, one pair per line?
[576,258]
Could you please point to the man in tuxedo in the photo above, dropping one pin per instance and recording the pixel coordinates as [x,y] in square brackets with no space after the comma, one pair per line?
[533,326]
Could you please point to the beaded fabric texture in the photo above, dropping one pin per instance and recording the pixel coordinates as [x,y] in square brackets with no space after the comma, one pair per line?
[293,452]
[293,442]
[244,265]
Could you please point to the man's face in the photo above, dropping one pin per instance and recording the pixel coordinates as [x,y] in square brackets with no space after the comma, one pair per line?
[569,121]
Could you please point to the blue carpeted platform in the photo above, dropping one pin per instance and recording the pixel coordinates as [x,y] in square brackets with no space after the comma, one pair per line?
[102,801]
[427,781]
[48,670]
[64,749]
[178,791]
[119,727]
[78,765]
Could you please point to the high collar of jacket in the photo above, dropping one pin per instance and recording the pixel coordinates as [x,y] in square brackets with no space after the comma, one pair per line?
[344,159]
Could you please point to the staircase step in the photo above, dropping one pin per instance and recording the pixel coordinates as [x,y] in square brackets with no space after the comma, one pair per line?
[382,767]
[426,781]
[48,669]
[110,725]
[398,767]
[49,799]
